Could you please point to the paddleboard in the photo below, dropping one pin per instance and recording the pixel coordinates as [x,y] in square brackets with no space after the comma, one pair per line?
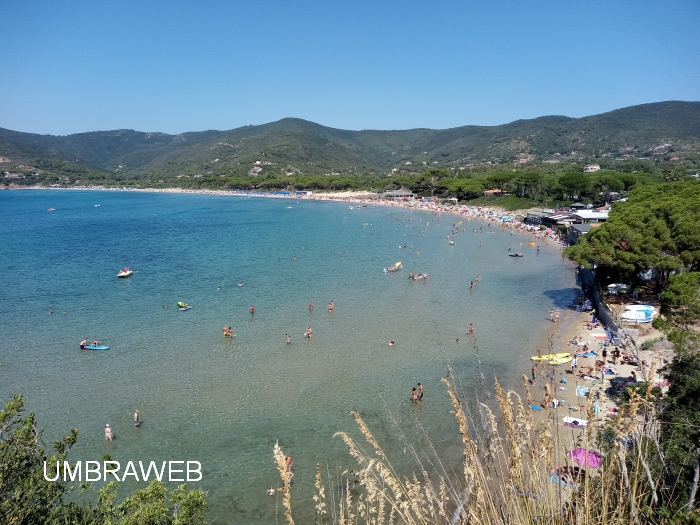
[560,360]
[550,356]
[99,347]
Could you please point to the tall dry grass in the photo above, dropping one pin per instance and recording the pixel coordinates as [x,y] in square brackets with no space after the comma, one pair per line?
[506,474]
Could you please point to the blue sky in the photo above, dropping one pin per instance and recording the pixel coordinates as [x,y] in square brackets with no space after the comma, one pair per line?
[180,66]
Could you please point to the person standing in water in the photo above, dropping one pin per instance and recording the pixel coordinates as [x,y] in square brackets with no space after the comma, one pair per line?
[252,309]
[136,418]
[414,395]
[471,329]
[330,307]
[471,284]
[108,433]
[478,278]
[308,332]
[289,339]
[311,306]
[420,391]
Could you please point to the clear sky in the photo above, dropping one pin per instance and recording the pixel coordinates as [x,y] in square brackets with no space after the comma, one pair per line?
[175,66]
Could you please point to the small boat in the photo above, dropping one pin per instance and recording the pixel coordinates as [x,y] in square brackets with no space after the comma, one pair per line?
[97,205]
[639,308]
[394,267]
[547,357]
[125,273]
[183,306]
[51,209]
[637,317]
[98,347]
[452,243]
[516,254]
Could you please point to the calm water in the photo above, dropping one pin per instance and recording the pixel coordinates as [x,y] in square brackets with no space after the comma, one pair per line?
[202,397]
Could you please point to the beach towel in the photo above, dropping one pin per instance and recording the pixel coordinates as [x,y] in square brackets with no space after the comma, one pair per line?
[535,407]
[582,391]
[574,422]
[563,388]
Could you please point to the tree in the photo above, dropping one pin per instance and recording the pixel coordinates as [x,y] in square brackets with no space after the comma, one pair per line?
[28,498]
[680,312]
[574,183]
[674,173]
[607,184]
[499,180]
[430,179]
[657,229]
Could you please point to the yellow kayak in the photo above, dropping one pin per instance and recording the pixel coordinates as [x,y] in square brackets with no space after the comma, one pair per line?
[560,360]
[547,357]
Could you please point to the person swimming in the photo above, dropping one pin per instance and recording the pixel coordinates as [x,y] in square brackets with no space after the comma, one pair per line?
[289,339]
[252,309]
[311,306]
[309,332]
[108,433]
[83,344]
[391,343]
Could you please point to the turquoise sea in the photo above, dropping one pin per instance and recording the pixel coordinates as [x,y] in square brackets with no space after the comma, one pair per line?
[225,403]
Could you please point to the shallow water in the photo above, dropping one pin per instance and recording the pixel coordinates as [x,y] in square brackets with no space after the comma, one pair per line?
[203,397]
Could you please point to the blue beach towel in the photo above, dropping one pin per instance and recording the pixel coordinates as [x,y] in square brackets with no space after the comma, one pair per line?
[582,391]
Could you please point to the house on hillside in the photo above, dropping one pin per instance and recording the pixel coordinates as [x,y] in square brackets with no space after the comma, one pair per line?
[590,168]
[576,231]
[588,216]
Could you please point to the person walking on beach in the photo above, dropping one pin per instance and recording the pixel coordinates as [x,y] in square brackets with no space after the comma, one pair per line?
[420,391]
[551,314]
[605,355]
[556,316]
[534,373]
[574,363]
[414,395]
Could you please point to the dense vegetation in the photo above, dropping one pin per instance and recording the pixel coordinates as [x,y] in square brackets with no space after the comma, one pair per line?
[637,145]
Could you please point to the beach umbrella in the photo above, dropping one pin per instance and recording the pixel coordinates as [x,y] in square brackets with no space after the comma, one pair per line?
[586,458]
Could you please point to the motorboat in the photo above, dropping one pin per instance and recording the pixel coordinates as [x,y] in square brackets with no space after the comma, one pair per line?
[515,254]
[637,317]
[183,306]
[394,267]
[126,272]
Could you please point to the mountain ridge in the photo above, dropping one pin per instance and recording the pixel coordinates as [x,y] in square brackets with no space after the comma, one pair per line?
[295,145]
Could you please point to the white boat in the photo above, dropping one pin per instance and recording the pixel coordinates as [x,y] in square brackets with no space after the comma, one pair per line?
[125,273]
[639,308]
[637,317]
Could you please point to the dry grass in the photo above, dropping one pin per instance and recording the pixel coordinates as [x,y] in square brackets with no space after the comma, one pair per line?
[506,472]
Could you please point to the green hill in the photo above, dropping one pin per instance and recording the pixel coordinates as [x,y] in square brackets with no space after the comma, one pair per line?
[658,132]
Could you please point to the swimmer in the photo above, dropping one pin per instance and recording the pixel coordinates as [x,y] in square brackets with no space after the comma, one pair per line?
[64,312]
[294,258]
[311,306]
[225,331]
[309,333]
[330,307]
[240,284]
[218,289]
[83,343]
[420,391]
[471,284]
[50,312]
[95,343]
[414,395]
[270,491]
[108,433]
[391,343]
[136,418]
[252,309]
[289,339]
[457,341]
[478,278]
[471,329]
[165,306]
